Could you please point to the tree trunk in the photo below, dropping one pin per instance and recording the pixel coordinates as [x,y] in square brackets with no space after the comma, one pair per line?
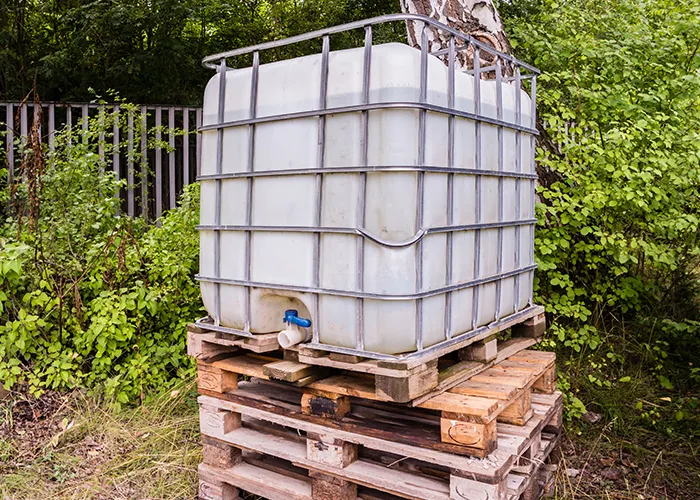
[478,18]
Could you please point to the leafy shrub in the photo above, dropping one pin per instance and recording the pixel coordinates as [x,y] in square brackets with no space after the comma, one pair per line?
[90,297]
[617,242]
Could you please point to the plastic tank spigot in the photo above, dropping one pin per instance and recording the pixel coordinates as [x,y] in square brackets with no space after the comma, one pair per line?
[291,316]
[295,332]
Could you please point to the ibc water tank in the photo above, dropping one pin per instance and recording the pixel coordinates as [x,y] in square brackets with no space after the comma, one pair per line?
[393,219]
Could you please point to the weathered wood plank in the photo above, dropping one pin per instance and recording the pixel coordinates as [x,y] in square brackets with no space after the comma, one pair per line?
[289,371]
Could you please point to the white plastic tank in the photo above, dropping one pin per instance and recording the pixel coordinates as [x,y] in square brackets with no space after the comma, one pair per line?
[281,274]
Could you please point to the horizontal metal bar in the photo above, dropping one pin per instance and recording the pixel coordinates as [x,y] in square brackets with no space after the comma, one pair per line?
[369,168]
[369,295]
[363,232]
[205,324]
[209,60]
[208,324]
[440,346]
[349,350]
[369,107]
[467,335]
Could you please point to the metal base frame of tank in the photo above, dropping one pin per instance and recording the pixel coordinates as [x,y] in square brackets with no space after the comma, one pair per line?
[456,42]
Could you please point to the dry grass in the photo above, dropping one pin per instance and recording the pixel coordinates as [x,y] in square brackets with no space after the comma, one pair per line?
[80,449]
[69,446]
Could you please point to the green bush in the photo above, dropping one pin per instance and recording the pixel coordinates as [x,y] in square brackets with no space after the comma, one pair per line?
[89,297]
[617,241]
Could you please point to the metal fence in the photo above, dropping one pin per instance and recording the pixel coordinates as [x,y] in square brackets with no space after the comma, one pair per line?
[155,177]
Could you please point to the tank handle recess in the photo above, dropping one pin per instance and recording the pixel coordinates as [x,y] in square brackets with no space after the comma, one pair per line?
[291,316]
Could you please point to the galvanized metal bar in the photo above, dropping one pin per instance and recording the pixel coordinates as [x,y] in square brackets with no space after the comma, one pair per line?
[252,111]
[205,324]
[101,137]
[425,352]
[210,61]
[144,162]
[38,110]
[10,138]
[369,295]
[84,118]
[52,127]
[115,147]
[368,168]
[159,164]
[198,142]
[363,232]
[217,201]
[368,107]
[450,181]
[361,208]
[420,182]
[477,182]
[130,164]
[23,127]
[501,201]
[69,123]
[171,159]
[533,114]
[518,168]
[320,157]
[186,147]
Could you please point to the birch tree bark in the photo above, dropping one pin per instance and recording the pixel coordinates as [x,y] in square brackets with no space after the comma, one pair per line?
[478,18]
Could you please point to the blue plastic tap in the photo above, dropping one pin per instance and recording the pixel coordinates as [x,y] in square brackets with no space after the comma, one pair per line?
[291,316]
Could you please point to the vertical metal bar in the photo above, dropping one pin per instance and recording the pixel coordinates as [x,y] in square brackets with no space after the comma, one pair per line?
[501,201]
[23,128]
[450,181]
[319,182]
[38,109]
[130,164]
[159,165]
[198,142]
[186,146]
[144,162]
[24,131]
[519,169]
[533,114]
[477,194]
[101,138]
[171,158]
[361,209]
[115,147]
[10,138]
[84,122]
[253,108]
[217,201]
[52,126]
[420,181]
[69,123]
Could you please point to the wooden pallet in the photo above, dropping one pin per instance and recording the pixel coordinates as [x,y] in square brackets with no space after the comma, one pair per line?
[400,379]
[467,413]
[257,438]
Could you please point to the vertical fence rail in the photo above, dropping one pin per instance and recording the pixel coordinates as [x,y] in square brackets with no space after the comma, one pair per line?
[148,190]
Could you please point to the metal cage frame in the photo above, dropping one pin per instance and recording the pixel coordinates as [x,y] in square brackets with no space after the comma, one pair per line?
[457,42]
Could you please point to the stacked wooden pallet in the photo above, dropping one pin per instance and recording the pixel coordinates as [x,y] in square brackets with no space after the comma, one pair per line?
[477,422]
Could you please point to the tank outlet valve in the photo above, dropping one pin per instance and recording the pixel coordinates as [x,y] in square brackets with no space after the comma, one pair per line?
[296,330]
